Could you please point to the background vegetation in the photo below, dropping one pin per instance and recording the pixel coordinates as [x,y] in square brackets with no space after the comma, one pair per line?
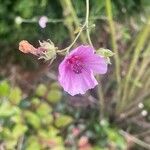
[34,111]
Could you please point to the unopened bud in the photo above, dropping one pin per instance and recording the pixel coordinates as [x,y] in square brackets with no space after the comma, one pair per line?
[50,50]
[105,52]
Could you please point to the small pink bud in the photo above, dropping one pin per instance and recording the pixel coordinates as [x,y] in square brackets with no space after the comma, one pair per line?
[43,21]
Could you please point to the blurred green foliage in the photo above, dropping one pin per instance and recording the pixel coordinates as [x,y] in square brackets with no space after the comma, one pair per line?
[35,123]
[11,32]
[43,120]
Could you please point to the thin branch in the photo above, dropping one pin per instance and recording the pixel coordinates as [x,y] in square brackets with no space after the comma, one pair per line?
[135,140]
[61,20]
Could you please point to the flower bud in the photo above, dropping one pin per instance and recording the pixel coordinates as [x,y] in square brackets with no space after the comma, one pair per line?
[105,53]
[26,47]
[49,50]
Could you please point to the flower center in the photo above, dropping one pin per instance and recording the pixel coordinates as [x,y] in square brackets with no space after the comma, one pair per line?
[76,64]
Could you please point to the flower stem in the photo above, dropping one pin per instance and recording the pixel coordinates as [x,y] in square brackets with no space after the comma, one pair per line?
[72,16]
[76,38]
[136,55]
[87,23]
[113,40]
[81,29]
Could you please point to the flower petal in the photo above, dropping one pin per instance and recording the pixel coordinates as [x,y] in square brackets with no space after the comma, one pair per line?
[76,83]
[97,63]
[82,50]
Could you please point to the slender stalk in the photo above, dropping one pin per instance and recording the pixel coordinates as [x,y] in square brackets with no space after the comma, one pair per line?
[69,20]
[60,20]
[113,40]
[68,4]
[66,50]
[136,55]
[87,23]
[101,98]
[135,140]
[81,29]
[76,38]
[141,71]
[99,90]
[131,47]
[140,96]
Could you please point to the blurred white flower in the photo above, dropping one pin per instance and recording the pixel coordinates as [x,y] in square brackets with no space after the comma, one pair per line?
[103,122]
[140,105]
[144,113]
[43,21]
[18,20]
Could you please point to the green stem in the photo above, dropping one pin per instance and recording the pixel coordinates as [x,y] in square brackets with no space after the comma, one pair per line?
[136,55]
[141,93]
[81,29]
[135,140]
[76,38]
[87,23]
[68,4]
[113,40]
[141,71]
[61,20]
[101,98]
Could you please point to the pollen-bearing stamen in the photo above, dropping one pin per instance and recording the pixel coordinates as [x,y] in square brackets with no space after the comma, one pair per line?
[76,64]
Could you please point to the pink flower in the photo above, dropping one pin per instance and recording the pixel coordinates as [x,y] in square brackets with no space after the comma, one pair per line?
[76,72]
[43,21]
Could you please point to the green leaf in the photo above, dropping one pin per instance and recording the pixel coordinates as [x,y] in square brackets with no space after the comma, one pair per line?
[63,120]
[33,143]
[4,88]
[19,130]
[16,118]
[49,133]
[115,137]
[54,96]
[32,119]
[6,133]
[48,119]
[43,134]
[52,131]
[41,90]
[10,144]
[44,109]
[55,85]
[15,95]
[6,109]
[35,102]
